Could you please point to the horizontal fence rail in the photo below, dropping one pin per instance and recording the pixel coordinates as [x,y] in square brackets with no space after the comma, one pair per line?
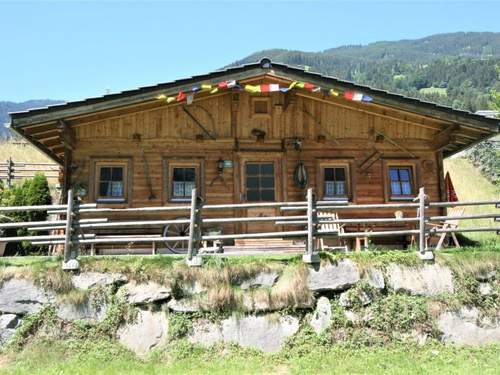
[11,170]
[316,222]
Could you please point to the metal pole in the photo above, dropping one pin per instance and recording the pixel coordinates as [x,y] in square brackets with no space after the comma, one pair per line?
[193,259]
[423,252]
[70,263]
[311,256]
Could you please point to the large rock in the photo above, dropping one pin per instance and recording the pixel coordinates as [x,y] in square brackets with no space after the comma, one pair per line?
[21,296]
[322,316]
[353,296]
[465,327]
[184,305]
[9,321]
[89,280]
[339,276]
[428,280]
[259,332]
[262,279]
[140,294]
[374,277]
[149,330]
[84,311]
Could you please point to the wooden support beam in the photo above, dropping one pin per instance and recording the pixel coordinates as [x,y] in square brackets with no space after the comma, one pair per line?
[197,122]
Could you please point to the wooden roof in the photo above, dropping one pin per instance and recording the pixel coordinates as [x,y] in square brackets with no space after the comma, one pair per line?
[46,128]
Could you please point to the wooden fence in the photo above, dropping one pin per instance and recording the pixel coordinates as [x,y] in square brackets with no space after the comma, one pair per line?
[12,170]
[315,226]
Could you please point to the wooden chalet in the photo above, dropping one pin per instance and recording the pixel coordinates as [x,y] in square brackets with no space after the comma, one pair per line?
[260,132]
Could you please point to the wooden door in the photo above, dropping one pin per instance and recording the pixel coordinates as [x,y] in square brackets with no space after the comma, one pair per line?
[260,181]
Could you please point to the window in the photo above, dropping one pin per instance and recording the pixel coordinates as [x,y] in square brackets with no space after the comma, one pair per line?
[260,107]
[334,182]
[111,181]
[401,182]
[260,184]
[183,182]
[182,177]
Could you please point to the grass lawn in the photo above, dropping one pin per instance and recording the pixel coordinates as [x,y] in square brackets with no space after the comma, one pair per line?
[471,185]
[391,359]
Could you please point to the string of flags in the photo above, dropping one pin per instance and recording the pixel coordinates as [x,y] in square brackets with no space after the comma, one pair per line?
[188,96]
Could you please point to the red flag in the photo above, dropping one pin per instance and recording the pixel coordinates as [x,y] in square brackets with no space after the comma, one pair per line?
[451,195]
[348,95]
[222,85]
[264,88]
[308,86]
[180,96]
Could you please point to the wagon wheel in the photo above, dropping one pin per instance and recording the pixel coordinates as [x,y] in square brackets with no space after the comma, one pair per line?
[176,230]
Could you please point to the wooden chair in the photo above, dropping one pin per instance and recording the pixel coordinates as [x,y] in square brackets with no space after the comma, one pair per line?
[333,227]
[448,224]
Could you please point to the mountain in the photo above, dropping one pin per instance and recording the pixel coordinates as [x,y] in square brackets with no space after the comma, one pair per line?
[456,69]
[6,107]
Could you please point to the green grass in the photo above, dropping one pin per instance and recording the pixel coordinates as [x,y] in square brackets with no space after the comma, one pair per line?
[471,185]
[46,357]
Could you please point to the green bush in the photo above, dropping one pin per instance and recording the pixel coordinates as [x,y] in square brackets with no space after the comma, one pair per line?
[30,192]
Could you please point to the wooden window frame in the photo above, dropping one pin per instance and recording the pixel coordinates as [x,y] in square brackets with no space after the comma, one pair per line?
[97,164]
[265,99]
[413,166]
[275,177]
[320,181]
[170,164]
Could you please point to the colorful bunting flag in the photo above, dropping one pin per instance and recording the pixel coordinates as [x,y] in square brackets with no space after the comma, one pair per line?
[196,88]
[170,99]
[357,96]
[214,90]
[180,96]
[332,92]
[161,97]
[231,84]
[189,99]
[222,85]
[252,88]
[206,87]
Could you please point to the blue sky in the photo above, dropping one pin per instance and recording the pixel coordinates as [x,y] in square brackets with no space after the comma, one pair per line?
[71,50]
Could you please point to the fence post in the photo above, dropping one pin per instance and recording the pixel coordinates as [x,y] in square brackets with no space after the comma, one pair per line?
[10,172]
[71,244]
[195,224]
[423,252]
[311,255]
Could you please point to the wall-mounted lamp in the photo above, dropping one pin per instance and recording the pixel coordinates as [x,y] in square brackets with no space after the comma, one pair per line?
[220,166]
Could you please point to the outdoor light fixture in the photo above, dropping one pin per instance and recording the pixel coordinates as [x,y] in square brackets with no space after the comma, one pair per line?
[220,166]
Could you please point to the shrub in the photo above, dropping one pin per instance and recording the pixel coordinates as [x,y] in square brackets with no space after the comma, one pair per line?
[30,192]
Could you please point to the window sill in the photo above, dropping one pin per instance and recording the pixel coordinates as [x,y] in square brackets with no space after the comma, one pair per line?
[402,198]
[180,200]
[111,200]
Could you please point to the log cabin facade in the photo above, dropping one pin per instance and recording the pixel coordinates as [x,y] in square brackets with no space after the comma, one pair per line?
[132,149]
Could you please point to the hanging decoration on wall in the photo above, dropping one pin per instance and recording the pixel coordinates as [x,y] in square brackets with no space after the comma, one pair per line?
[233,85]
[300,177]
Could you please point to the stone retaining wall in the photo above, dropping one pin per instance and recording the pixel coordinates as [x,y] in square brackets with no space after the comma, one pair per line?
[262,320]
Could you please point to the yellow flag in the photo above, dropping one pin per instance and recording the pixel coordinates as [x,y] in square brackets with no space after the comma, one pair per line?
[252,88]
[214,90]
[170,99]
[206,87]
[161,97]
[334,93]
[300,85]
[292,85]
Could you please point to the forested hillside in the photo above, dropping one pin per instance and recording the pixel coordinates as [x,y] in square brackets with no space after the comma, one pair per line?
[458,69]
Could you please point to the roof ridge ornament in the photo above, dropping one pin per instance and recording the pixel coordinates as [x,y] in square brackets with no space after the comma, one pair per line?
[265,63]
